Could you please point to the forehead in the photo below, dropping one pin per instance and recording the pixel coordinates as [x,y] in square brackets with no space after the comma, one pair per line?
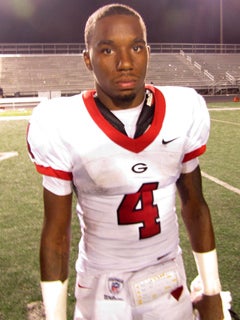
[117,28]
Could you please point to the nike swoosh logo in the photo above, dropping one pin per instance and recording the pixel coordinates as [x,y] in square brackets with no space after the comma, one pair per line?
[168,141]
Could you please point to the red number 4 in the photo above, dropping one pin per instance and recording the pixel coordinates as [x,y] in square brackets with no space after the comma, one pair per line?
[139,208]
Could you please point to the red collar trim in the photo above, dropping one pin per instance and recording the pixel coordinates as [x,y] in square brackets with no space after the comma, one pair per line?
[134,145]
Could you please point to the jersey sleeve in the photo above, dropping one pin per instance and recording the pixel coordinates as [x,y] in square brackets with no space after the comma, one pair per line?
[57,186]
[190,165]
[198,133]
[46,144]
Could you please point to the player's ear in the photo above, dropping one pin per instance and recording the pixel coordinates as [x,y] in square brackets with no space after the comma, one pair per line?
[149,49]
[148,52]
[87,60]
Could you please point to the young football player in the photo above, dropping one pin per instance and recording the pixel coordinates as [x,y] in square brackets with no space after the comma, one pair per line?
[124,148]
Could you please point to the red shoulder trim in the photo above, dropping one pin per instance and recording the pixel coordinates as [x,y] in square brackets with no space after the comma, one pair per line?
[48,171]
[194,154]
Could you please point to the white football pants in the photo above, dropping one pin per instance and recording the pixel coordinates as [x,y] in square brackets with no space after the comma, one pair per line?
[156,293]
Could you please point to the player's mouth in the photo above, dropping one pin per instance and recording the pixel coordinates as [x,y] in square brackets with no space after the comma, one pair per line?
[126,84]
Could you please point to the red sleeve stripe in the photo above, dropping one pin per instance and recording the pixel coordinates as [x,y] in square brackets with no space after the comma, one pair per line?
[194,154]
[48,171]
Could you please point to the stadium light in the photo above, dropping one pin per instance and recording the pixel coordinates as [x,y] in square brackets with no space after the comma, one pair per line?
[221,23]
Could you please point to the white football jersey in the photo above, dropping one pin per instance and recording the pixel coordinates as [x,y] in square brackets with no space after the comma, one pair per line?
[125,187]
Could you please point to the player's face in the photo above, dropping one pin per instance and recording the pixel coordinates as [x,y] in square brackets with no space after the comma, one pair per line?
[118,56]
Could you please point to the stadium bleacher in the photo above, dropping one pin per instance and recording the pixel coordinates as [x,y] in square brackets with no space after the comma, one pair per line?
[30,74]
[175,69]
[220,64]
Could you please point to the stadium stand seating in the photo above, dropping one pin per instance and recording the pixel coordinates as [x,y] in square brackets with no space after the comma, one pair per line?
[223,66]
[175,69]
[31,74]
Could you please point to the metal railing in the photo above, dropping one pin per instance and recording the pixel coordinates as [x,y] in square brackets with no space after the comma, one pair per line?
[77,48]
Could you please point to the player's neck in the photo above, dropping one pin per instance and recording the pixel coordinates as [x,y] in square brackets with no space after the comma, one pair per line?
[121,102]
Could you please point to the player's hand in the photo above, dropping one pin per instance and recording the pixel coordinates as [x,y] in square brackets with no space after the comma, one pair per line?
[209,307]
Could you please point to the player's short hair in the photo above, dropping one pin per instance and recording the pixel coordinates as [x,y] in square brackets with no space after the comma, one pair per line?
[109,10]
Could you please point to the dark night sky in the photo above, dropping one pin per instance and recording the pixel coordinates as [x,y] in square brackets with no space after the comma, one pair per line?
[188,21]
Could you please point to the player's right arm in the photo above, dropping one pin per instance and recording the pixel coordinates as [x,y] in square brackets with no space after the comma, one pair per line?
[54,253]
[50,154]
[55,238]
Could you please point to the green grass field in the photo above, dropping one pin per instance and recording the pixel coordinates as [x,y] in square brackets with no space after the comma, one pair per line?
[21,214]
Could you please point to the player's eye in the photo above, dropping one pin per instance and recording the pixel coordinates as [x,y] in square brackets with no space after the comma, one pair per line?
[137,48]
[107,51]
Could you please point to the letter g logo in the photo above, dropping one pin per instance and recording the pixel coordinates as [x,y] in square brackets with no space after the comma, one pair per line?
[139,168]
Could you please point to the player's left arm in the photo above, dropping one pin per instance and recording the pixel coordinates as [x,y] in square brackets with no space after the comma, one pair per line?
[197,219]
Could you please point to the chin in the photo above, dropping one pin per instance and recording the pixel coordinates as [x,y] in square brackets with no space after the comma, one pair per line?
[125,97]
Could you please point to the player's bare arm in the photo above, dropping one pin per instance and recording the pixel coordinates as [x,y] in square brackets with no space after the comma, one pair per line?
[195,211]
[55,240]
[197,219]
